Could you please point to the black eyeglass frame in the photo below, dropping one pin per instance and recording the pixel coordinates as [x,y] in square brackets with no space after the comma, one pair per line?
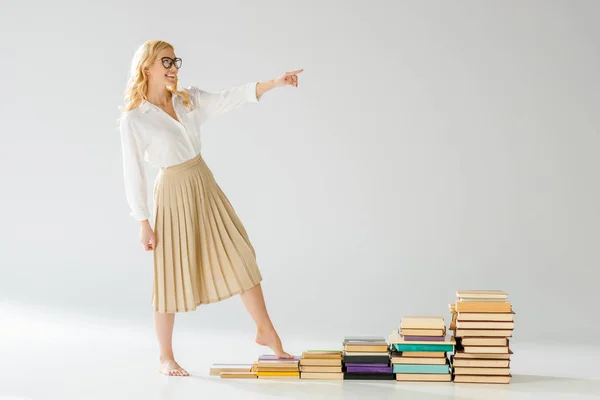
[167,62]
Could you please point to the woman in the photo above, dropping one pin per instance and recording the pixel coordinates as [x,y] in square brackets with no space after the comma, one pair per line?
[202,253]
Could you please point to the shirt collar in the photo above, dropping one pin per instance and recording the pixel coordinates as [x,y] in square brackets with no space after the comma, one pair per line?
[146,106]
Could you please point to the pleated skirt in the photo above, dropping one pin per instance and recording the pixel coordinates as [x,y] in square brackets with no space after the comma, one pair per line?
[203,253]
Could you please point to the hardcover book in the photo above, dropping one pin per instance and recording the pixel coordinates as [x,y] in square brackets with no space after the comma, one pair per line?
[424,338]
[368,376]
[422,347]
[369,368]
[422,322]
[421,369]
[424,377]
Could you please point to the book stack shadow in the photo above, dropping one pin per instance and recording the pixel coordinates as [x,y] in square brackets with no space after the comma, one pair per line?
[321,364]
[270,367]
[419,350]
[366,357]
[483,322]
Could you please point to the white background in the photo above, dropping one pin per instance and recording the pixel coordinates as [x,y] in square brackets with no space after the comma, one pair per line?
[431,146]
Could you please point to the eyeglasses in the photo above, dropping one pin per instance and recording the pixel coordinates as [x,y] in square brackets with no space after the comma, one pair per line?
[167,62]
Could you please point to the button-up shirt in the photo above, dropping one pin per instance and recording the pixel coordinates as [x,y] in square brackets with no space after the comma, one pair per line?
[149,134]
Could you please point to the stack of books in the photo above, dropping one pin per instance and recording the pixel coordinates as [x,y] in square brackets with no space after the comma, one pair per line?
[233,370]
[366,357]
[321,364]
[419,350]
[483,321]
[270,367]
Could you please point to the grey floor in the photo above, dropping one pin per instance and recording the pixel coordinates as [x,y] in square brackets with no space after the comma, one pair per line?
[50,356]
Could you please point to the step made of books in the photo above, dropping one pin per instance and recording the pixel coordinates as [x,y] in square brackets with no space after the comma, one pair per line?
[419,349]
[483,323]
[366,358]
[321,364]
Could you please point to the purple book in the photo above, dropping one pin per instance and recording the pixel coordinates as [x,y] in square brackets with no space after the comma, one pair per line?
[425,338]
[363,368]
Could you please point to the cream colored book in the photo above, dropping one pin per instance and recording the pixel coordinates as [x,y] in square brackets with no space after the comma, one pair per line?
[484,332]
[423,377]
[482,294]
[238,375]
[422,322]
[486,349]
[474,316]
[320,354]
[481,371]
[321,361]
[367,353]
[365,348]
[484,341]
[482,356]
[322,375]
[476,362]
[484,325]
[216,369]
[482,378]
[396,338]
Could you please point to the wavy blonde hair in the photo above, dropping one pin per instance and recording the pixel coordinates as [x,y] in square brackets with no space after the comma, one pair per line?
[137,84]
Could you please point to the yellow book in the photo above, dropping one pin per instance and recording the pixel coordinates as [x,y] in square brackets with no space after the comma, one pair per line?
[272,373]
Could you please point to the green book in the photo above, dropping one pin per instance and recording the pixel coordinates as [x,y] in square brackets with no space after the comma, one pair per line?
[422,347]
[421,369]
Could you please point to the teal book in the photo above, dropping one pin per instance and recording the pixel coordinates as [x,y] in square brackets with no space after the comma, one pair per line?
[421,369]
[422,347]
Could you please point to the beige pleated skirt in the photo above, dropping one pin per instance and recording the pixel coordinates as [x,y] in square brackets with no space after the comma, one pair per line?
[203,253]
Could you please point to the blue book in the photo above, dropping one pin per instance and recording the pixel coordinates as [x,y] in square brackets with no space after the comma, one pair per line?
[421,369]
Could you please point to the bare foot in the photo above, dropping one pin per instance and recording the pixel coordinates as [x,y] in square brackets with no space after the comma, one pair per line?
[272,341]
[171,368]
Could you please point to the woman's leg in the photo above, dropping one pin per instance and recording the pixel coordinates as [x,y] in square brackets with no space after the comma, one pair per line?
[163,324]
[265,331]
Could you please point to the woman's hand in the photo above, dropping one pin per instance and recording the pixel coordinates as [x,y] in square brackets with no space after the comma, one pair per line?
[288,78]
[285,79]
[147,236]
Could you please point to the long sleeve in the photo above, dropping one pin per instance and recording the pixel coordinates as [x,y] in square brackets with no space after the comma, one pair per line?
[216,103]
[134,171]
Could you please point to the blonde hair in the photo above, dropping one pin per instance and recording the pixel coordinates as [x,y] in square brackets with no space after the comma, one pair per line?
[137,84]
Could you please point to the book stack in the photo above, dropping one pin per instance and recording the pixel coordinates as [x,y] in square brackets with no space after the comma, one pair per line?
[483,321]
[321,364]
[419,350]
[233,370]
[271,367]
[366,357]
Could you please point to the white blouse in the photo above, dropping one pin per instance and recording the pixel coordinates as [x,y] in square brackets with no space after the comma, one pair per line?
[149,134]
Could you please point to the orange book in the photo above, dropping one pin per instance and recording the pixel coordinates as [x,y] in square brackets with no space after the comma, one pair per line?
[484,307]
